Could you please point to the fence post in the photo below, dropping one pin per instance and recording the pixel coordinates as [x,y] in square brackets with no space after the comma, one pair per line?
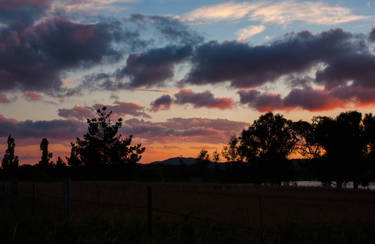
[14,195]
[260,217]
[149,212]
[67,210]
[33,200]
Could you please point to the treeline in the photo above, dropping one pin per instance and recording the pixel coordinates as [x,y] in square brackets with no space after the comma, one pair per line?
[335,150]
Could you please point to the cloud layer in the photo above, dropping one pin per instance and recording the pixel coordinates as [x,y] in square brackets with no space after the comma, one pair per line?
[172,130]
[119,109]
[275,12]
[198,100]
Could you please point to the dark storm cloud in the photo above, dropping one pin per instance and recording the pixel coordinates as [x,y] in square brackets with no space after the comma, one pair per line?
[171,29]
[4,98]
[304,98]
[119,109]
[162,103]
[33,58]
[77,112]
[36,56]
[261,102]
[153,67]
[312,100]
[189,130]
[55,129]
[22,12]
[198,100]
[203,99]
[372,35]
[245,66]
[358,68]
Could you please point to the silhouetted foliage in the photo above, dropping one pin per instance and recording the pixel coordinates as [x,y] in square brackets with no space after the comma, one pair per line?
[46,155]
[73,160]
[10,161]
[103,145]
[307,144]
[335,150]
[271,137]
[230,152]
[60,163]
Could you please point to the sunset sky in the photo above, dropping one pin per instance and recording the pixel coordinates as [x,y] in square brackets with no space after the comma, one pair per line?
[184,75]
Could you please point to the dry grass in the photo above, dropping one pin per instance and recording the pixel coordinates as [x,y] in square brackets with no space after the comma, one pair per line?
[237,205]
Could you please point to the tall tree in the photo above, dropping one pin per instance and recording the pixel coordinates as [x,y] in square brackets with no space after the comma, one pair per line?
[103,145]
[266,145]
[307,144]
[343,141]
[46,155]
[10,161]
[231,151]
[271,137]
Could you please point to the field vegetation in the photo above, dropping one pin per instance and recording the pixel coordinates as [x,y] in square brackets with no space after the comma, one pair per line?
[116,212]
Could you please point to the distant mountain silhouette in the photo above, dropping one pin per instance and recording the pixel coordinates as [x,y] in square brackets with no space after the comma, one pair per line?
[175,161]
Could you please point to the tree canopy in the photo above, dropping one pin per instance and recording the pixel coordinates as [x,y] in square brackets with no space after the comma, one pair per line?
[103,144]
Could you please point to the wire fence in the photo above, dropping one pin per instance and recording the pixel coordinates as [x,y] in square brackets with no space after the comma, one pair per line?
[247,208]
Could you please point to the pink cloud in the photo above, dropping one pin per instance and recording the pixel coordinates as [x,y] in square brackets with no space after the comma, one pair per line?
[32,96]
[198,100]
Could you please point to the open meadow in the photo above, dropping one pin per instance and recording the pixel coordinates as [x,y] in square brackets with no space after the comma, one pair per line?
[262,213]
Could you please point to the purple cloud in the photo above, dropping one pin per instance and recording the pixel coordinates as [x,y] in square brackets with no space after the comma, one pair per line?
[305,98]
[189,130]
[372,35]
[119,109]
[246,66]
[198,100]
[162,103]
[203,99]
[153,67]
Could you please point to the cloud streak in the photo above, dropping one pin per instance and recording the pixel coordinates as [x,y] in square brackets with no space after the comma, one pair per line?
[119,109]
[274,12]
[198,100]
[246,33]
[172,130]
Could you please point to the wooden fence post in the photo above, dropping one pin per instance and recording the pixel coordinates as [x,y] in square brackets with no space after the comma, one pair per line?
[33,200]
[14,194]
[67,210]
[260,217]
[149,212]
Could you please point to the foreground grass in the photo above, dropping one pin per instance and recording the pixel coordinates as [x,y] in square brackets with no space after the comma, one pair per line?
[111,230]
[115,212]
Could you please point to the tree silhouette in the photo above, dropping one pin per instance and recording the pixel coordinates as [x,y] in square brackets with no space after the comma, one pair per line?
[231,151]
[202,162]
[60,163]
[307,144]
[74,160]
[271,137]
[103,145]
[10,161]
[46,155]
[343,141]
[369,134]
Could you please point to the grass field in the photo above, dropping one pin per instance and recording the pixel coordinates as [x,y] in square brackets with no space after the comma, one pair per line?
[246,212]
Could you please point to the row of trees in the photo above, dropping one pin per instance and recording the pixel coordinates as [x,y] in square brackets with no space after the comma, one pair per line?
[339,149]
[101,145]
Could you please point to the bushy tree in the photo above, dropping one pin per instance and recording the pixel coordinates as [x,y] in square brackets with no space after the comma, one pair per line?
[345,145]
[231,151]
[307,144]
[10,161]
[103,145]
[270,137]
[46,155]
